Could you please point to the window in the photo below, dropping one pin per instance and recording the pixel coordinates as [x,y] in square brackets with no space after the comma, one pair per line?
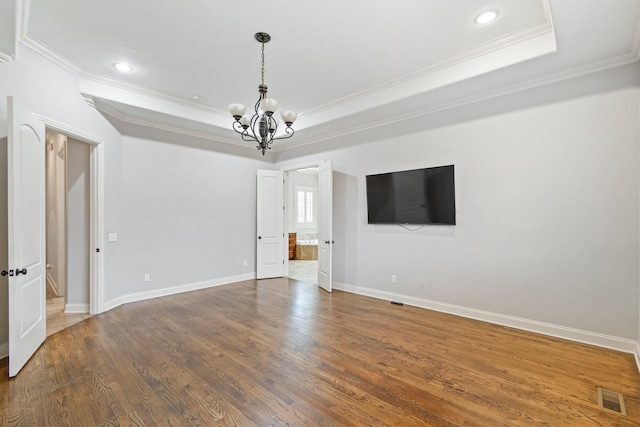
[305,206]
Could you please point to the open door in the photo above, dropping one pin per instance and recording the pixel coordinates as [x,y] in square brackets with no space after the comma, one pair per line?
[270,226]
[26,233]
[325,234]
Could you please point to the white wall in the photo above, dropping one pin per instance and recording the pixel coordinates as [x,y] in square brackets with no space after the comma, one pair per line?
[547,207]
[55,159]
[78,221]
[190,214]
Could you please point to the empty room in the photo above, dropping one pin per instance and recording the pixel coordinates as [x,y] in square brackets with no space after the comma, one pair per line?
[363,213]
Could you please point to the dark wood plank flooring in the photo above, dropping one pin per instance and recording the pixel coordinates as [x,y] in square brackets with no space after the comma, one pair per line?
[285,353]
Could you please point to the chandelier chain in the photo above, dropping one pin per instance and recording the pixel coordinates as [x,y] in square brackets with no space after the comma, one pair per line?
[263,63]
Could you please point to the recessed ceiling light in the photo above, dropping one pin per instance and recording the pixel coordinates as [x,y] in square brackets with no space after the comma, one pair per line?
[486,17]
[121,66]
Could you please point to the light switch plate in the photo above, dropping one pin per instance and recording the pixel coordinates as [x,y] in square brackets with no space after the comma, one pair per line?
[113,237]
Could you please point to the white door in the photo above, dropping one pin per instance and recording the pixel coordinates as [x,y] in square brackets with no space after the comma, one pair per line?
[325,234]
[270,227]
[26,223]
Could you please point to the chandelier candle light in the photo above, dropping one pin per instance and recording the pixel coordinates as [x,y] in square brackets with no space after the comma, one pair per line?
[262,126]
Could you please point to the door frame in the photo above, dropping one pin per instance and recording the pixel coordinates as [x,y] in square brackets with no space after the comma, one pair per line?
[288,204]
[96,208]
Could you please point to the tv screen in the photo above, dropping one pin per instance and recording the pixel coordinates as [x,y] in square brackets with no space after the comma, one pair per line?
[420,196]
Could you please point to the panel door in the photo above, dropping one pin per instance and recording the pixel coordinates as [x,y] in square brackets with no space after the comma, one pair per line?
[26,233]
[270,226]
[325,233]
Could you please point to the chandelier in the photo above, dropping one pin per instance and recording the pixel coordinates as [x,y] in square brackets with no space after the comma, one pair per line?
[262,126]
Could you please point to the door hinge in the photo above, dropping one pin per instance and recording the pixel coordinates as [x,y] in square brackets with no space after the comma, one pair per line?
[97,249]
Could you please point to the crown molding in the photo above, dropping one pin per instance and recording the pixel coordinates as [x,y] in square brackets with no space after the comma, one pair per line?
[89,100]
[594,67]
[97,78]
[587,69]
[6,57]
[50,54]
[118,115]
[490,47]
[462,67]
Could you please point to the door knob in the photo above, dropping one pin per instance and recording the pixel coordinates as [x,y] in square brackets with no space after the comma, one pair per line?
[259,237]
[19,272]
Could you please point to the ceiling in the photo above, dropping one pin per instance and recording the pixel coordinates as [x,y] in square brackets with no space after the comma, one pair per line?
[343,66]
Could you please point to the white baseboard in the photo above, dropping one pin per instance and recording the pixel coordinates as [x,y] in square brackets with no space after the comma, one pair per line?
[4,350]
[76,308]
[157,293]
[111,304]
[586,337]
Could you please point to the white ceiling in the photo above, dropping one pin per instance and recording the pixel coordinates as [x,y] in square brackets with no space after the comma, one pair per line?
[343,66]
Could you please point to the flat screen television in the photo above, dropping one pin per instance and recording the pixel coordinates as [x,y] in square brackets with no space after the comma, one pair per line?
[419,196]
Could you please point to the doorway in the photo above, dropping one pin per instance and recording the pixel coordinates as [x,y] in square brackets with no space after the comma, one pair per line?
[22,194]
[302,223]
[67,219]
[95,145]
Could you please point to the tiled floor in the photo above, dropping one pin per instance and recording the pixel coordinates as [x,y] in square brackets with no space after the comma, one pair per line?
[57,319]
[306,271]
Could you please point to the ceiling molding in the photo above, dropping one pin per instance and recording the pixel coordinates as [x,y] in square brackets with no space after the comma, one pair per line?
[503,43]
[6,57]
[10,20]
[89,100]
[460,68]
[105,91]
[119,116]
[595,67]
[151,93]
[587,69]
[50,54]
[407,85]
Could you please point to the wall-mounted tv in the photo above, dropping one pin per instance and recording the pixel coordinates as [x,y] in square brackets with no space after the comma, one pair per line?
[419,196]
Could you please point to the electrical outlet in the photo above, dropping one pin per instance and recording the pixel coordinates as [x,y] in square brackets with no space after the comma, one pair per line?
[147,277]
[421,284]
[393,278]
[246,263]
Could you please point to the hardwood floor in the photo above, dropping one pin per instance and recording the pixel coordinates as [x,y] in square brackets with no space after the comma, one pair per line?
[285,353]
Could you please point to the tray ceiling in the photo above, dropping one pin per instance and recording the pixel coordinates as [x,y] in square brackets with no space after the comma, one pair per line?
[343,66]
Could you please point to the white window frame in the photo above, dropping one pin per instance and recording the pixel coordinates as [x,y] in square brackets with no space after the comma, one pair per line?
[314,206]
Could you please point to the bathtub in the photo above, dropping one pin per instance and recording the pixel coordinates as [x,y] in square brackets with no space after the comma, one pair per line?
[307,249]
